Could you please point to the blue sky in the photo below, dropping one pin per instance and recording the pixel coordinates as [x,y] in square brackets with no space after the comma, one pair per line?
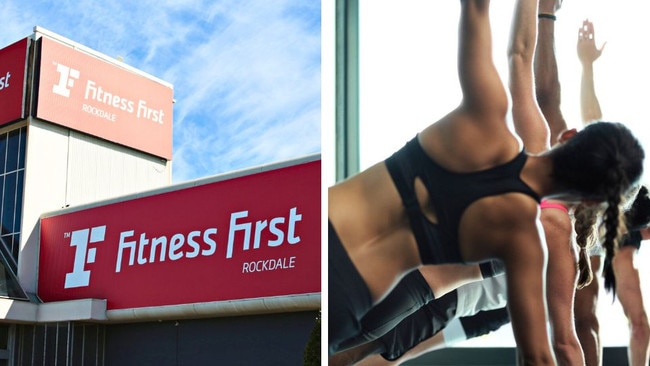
[246,73]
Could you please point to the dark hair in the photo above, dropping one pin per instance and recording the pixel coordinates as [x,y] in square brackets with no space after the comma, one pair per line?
[601,163]
[638,215]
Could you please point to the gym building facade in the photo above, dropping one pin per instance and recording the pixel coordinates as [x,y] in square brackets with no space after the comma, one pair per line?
[105,262]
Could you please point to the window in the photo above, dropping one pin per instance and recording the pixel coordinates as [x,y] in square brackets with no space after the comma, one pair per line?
[12,174]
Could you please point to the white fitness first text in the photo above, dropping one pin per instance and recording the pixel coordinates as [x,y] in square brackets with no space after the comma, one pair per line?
[144,248]
[4,80]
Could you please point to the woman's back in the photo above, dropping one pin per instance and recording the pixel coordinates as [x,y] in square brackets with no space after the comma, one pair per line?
[409,209]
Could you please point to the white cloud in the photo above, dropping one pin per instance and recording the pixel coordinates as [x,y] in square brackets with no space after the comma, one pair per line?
[256,76]
[246,73]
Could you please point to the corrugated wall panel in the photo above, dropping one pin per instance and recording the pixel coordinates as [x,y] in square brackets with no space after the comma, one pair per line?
[98,169]
[45,180]
[67,168]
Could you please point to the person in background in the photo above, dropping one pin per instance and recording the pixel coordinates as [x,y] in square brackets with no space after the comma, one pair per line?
[620,270]
[539,129]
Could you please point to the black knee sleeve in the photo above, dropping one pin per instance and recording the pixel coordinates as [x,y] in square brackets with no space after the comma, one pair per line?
[421,325]
[484,322]
[410,294]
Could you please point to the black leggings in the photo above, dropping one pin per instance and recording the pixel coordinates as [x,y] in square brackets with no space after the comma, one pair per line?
[410,294]
[349,297]
[418,326]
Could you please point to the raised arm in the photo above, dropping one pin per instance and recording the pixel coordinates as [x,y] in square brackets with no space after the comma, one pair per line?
[547,82]
[561,273]
[484,96]
[526,269]
[588,53]
[475,135]
[528,120]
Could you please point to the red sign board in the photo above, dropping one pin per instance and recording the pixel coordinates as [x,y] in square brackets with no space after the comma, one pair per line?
[246,237]
[13,62]
[88,94]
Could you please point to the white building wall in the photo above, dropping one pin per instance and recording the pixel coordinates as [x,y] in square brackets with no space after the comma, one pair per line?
[99,169]
[66,168]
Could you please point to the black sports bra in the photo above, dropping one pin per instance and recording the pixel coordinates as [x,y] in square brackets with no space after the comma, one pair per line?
[451,193]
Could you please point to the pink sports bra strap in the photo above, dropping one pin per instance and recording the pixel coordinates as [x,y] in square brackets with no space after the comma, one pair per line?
[547,204]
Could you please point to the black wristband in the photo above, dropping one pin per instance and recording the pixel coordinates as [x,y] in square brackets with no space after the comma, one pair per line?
[546,16]
[486,269]
[492,268]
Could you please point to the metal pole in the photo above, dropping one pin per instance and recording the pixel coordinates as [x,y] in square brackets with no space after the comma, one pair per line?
[347,88]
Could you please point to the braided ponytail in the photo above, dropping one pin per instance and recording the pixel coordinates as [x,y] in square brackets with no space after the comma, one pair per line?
[601,163]
[584,223]
[614,225]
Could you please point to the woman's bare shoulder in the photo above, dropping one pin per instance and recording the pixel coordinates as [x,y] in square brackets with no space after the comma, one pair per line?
[458,144]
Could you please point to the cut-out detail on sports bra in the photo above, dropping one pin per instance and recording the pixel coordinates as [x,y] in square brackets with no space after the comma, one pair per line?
[450,194]
[428,210]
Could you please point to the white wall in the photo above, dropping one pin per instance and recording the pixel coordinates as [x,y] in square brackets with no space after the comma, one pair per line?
[66,168]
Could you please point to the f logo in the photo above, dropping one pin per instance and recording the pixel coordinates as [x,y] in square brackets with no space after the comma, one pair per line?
[79,277]
[67,77]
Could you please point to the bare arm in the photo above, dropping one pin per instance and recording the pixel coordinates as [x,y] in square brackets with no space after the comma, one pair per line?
[562,262]
[547,83]
[630,295]
[475,135]
[529,122]
[524,277]
[525,269]
[560,288]
[588,53]
[586,321]
[523,247]
[511,231]
[482,88]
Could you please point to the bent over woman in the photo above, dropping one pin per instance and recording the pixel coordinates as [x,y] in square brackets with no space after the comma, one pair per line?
[464,191]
